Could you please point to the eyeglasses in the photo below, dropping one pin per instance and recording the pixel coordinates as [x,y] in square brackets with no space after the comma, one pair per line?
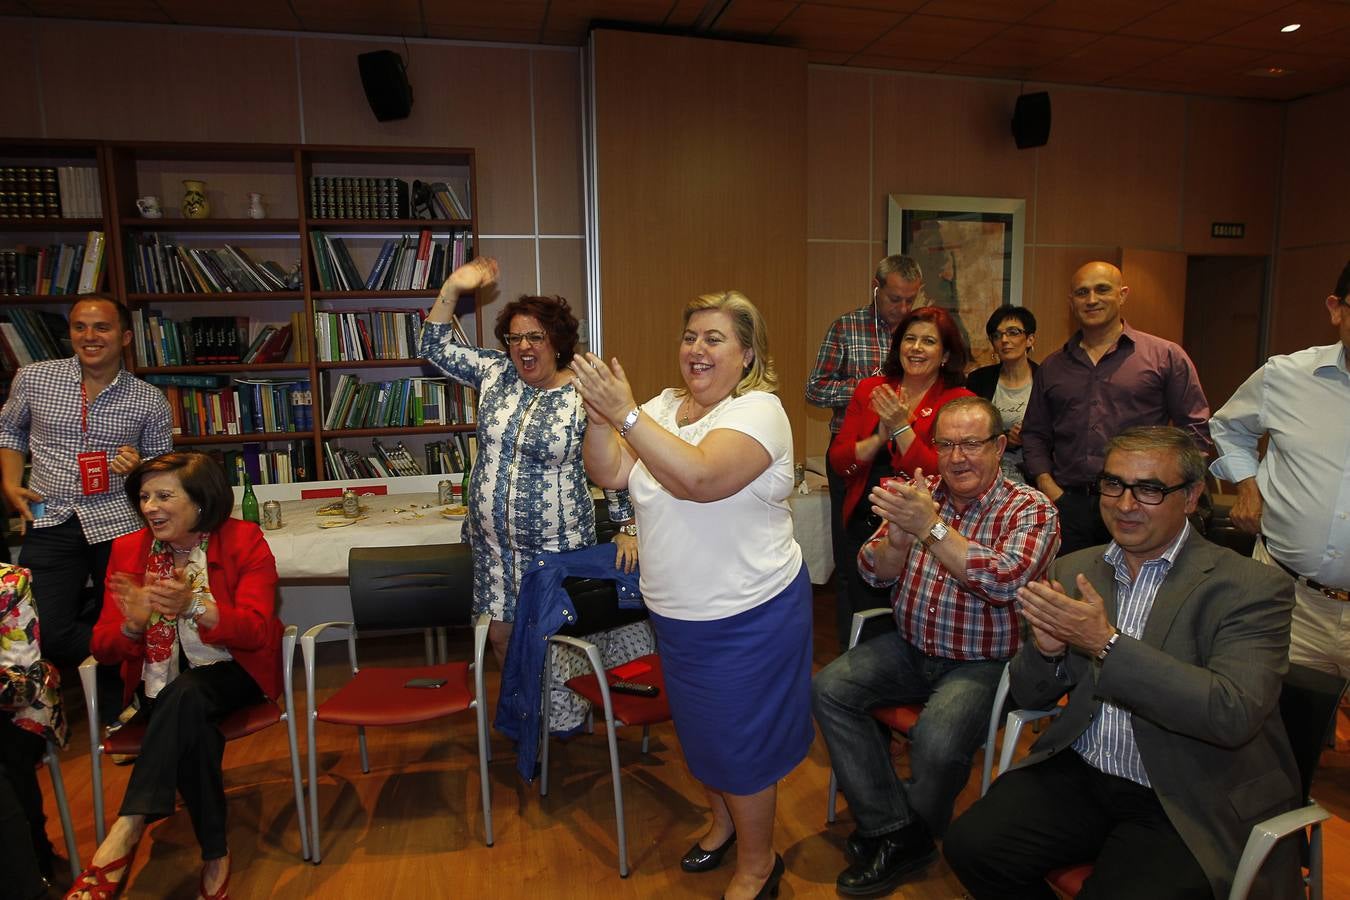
[529,337]
[1007,332]
[969,448]
[1149,493]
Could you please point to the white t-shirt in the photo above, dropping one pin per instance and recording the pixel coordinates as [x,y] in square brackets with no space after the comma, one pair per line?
[704,561]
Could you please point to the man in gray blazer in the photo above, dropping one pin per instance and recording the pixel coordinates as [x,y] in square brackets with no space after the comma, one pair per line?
[1172,651]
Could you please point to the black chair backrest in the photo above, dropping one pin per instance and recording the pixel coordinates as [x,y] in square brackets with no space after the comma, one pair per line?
[596,604]
[604,528]
[411,587]
[1308,703]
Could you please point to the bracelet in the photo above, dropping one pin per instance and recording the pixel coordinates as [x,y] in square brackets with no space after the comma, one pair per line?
[901,430]
[1106,648]
[629,421]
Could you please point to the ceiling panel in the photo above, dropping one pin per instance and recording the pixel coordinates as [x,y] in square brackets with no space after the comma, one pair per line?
[817,27]
[259,13]
[871,60]
[1190,21]
[923,37]
[1023,47]
[470,32]
[110,10]
[1103,16]
[14,8]
[753,16]
[516,15]
[1317,19]
[987,10]
[381,25]
[887,5]
[1106,58]
[684,13]
[402,10]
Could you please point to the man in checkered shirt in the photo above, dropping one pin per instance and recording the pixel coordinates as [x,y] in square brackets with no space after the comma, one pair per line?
[85,422]
[955,557]
[854,348]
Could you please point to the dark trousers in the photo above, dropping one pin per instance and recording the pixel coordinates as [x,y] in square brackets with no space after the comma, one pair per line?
[1080,521]
[23,826]
[1062,812]
[851,593]
[182,750]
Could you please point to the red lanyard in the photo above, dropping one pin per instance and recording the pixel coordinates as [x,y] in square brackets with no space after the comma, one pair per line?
[84,408]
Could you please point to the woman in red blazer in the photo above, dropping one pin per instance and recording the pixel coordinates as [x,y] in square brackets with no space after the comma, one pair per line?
[194,626]
[887,429]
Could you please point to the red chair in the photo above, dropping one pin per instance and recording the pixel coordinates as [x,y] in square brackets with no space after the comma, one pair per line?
[429,586]
[126,740]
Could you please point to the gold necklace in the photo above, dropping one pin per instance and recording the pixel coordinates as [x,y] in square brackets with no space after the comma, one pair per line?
[684,419]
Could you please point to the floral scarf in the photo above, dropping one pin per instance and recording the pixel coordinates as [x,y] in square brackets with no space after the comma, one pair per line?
[166,635]
[30,686]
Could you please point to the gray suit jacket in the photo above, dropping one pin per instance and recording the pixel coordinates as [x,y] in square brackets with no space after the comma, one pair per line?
[1203,686]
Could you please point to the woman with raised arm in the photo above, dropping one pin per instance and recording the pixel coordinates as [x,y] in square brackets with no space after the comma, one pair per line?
[709,467]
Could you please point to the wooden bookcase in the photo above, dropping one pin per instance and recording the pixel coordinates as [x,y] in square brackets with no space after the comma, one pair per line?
[283,175]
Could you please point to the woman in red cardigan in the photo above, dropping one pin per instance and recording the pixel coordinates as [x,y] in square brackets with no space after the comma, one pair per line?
[888,426]
[194,626]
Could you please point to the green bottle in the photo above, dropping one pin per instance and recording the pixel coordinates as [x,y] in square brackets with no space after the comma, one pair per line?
[249,507]
[464,486]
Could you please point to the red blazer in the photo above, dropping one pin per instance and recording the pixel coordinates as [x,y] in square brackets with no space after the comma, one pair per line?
[860,422]
[243,577]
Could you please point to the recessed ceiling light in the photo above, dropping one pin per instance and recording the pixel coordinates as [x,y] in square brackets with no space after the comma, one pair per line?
[1295,26]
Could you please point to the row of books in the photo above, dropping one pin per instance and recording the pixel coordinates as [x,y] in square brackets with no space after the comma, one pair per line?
[50,192]
[368,334]
[441,200]
[401,402]
[205,405]
[403,264]
[354,197]
[287,464]
[52,270]
[380,462]
[453,455]
[30,335]
[205,340]
[158,267]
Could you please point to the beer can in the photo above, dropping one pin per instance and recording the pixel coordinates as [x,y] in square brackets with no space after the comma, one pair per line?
[351,505]
[445,492]
[798,474]
[271,515]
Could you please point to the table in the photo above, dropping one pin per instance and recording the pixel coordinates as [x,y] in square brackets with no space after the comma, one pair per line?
[811,527]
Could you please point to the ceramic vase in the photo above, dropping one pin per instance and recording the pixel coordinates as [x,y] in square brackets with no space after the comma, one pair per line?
[195,204]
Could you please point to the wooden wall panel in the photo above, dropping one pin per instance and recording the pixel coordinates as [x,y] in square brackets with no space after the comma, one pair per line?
[1303,279]
[562,271]
[1111,174]
[1232,173]
[947,136]
[838,279]
[150,83]
[1223,320]
[463,97]
[557,134]
[517,277]
[701,151]
[838,155]
[1316,177]
[1049,296]
[23,88]
[1157,299]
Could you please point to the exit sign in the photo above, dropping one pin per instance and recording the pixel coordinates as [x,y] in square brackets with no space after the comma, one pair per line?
[1229,230]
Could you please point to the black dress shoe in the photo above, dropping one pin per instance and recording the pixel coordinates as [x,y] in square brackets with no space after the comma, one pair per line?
[770,887]
[858,849]
[700,860]
[896,856]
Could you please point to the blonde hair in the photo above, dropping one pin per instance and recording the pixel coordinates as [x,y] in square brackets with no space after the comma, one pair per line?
[751,332]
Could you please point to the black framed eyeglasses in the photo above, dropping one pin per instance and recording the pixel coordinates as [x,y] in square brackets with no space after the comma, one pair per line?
[1149,493]
[945,448]
[529,337]
[1012,332]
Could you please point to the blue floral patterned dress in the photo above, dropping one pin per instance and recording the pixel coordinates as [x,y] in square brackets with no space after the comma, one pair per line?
[528,491]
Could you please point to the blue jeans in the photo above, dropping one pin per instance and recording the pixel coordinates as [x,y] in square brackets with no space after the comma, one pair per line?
[889,671]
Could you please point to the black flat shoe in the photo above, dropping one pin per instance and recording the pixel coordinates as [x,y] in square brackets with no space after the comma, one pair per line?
[895,857]
[700,860]
[769,889]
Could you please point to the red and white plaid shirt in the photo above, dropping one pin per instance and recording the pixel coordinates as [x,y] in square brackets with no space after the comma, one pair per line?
[1013,532]
[854,348]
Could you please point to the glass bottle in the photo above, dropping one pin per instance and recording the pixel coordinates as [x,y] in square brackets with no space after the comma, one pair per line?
[248,508]
[464,486]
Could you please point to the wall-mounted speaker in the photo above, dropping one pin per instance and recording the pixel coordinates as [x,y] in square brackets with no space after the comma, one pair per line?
[386,82]
[1031,120]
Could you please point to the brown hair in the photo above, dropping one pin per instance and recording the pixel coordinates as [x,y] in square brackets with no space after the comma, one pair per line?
[553,313]
[953,372]
[203,479]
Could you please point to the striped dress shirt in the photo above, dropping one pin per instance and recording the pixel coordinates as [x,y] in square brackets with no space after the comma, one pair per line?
[1013,532]
[1108,744]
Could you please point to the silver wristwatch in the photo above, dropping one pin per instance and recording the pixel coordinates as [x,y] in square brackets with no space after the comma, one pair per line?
[630,529]
[935,534]
[197,610]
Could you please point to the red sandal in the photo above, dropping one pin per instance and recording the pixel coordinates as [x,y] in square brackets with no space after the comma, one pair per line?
[95,882]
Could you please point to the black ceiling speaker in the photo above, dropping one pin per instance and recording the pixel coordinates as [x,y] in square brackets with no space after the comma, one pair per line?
[386,82]
[1031,120]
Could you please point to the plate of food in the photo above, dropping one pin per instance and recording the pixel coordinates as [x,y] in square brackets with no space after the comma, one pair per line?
[457,511]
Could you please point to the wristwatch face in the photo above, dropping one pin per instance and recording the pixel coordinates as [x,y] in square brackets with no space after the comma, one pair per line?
[630,530]
[935,534]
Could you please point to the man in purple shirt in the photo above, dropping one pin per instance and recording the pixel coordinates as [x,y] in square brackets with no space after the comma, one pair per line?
[1107,377]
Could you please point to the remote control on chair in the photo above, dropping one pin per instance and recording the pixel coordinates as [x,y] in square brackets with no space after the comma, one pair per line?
[632,687]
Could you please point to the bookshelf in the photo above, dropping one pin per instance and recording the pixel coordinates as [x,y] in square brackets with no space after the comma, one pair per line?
[211,297]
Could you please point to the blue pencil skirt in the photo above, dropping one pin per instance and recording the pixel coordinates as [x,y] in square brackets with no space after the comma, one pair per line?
[740,690]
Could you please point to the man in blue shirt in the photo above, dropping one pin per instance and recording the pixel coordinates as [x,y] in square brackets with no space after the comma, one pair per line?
[84,422]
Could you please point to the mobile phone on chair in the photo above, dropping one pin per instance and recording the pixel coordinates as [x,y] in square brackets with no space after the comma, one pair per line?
[425,683]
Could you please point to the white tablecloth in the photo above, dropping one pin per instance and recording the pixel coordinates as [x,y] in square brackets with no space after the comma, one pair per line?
[304,549]
[811,527]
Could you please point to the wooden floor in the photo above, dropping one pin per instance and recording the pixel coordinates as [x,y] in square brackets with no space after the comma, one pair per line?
[412,828]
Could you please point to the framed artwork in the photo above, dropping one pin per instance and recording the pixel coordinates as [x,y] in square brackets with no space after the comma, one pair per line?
[970,251]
